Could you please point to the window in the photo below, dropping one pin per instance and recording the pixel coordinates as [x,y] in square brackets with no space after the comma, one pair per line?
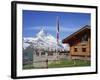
[37,53]
[60,53]
[42,53]
[85,38]
[50,54]
[75,49]
[83,49]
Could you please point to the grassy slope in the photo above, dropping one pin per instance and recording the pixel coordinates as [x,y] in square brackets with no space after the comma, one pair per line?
[69,63]
[62,63]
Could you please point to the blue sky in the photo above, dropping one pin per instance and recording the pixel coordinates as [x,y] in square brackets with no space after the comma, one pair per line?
[33,21]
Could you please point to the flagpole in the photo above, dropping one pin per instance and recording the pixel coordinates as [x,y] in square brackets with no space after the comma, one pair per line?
[57,35]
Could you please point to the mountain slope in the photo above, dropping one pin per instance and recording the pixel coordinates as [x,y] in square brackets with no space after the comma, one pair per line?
[43,40]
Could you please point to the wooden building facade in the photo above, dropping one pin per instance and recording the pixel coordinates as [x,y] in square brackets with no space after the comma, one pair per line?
[80,43]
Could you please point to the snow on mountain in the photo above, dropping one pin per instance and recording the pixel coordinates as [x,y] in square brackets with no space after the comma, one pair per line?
[42,33]
[43,40]
[25,45]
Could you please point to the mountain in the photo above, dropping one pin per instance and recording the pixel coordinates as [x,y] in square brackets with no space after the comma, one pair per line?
[43,40]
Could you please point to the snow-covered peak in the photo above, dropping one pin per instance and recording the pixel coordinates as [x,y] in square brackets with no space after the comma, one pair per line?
[51,38]
[43,40]
[28,39]
[41,33]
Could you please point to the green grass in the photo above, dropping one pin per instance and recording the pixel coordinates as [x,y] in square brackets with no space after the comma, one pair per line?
[69,63]
[61,63]
[28,66]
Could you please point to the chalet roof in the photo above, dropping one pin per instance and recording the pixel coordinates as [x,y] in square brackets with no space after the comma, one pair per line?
[76,33]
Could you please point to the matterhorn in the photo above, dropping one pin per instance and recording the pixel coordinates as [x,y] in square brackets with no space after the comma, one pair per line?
[43,40]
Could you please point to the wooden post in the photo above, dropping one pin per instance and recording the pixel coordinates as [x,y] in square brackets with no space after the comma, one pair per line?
[47,63]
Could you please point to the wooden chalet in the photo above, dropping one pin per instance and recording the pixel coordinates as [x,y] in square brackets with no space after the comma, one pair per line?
[80,43]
